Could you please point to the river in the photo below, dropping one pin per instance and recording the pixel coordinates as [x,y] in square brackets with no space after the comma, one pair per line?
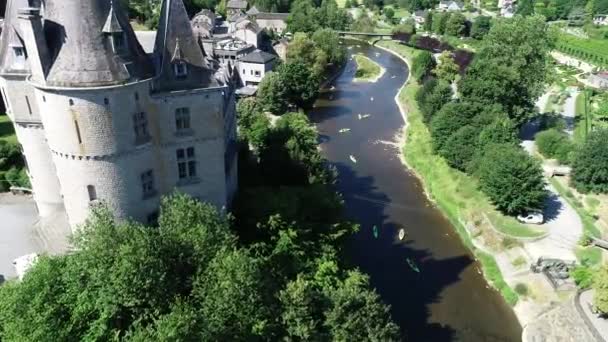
[448,300]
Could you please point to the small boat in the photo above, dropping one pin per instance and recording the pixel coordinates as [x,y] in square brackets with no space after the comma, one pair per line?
[353,159]
[344,130]
[375,230]
[393,76]
[371,98]
[401,234]
[413,265]
[332,88]
[365,116]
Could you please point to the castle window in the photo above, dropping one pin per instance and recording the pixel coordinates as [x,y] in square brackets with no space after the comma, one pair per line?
[182,119]
[180,69]
[147,184]
[257,73]
[136,96]
[78,132]
[19,51]
[140,127]
[106,101]
[71,102]
[186,164]
[92,193]
[29,106]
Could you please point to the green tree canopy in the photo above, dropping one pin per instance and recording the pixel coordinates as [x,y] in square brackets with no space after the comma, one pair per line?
[422,64]
[432,96]
[456,25]
[481,26]
[590,166]
[446,68]
[512,179]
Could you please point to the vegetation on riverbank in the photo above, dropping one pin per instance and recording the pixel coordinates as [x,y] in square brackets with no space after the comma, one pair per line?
[367,69]
[12,167]
[454,193]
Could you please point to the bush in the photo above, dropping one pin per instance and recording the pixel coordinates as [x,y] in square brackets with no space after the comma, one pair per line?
[449,119]
[460,147]
[522,289]
[512,179]
[10,155]
[422,65]
[583,276]
[431,97]
[554,144]
[590,165]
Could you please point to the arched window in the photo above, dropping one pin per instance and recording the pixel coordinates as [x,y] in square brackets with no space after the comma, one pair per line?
[92,192]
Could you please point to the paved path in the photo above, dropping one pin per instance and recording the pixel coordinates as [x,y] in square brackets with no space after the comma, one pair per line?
[562,222]
[17,233]
[569,111]
[600,324]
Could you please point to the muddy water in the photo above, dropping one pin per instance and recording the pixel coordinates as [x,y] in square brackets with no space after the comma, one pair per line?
[448,300]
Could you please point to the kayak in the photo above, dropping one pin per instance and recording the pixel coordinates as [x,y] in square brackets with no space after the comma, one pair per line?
[344,130]
[413,265]
[353,159]
[401,234]
[375,229]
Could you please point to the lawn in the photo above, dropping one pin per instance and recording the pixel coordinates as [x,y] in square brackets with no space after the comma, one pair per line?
[590,49]
[7,132]
[367,70]
[455,193]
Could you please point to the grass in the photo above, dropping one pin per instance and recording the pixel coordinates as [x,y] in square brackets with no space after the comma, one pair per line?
[590,49]
[7,132]
[367,70]
[580,134]
[454,193]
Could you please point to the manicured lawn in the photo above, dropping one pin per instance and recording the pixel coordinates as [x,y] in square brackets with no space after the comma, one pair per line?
[455,193]
[590,49]
[7,132]
[367,70]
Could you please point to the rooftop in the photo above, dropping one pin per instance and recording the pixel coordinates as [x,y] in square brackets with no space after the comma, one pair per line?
[238,4]
[259,57]
[272,16]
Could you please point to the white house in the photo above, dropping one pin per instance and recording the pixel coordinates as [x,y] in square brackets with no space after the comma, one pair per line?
[601,19]
[254,66]
[450,6]
[247,31]
[599,80]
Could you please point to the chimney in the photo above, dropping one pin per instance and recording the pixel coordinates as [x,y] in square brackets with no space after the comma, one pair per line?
[30,23]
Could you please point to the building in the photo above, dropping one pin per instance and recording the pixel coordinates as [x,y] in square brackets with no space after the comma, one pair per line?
[100,120]
[254,66]
[449,6]
[419,18]
[599,80]
[235,7]
[276,22]
[507,8]
[600,20]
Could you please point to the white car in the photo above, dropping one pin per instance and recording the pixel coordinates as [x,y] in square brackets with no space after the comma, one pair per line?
[531,218]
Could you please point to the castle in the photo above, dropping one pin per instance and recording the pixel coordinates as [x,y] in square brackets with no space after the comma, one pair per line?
[100,120]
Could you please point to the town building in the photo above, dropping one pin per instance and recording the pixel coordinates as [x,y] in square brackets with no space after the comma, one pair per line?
[275,22]
[101,120]
[254,66]
[507,8]
[235,7]
[600,20]
[450,6]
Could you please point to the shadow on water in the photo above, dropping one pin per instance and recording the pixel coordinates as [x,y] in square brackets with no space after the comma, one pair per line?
[448,300]
[409,292]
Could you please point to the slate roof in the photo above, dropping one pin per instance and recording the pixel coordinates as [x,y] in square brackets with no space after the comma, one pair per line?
[81,55]
[237,4]
[258,56]
[272,16]
[253,11]
[112,25]
[8,36]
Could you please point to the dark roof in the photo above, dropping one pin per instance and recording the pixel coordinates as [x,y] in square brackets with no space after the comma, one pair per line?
[82,57]
[253,11]
[272,16]
[238,4]
[258,56]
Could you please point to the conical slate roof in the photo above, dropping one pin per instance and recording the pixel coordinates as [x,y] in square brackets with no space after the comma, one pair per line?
[175,43]
[82,52]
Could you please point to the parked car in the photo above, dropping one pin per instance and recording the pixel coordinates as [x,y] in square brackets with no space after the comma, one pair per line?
[531,218]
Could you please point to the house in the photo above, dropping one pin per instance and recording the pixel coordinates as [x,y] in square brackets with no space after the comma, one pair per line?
[247,31]
[101,120]
[280,48]
[254,66]
[507,8]
[449,6]
[203,24]
[601,20]
[276,22]
[599,80]
[235,7]
[419,18]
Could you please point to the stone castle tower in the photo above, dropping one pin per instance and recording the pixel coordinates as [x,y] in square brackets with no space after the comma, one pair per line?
[100,120]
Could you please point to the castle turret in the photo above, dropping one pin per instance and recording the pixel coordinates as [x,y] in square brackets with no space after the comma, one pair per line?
[22,52]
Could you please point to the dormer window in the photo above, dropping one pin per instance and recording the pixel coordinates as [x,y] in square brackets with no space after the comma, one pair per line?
[118,42]
[19,51]
[180,69]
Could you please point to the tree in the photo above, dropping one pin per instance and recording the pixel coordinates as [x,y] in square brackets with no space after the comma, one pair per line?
[422,64]
[460,147]
[389,13]
[301,86]
[328,41]
[446,68]
[450,119]
[600,287]
[301,17]
[512,179]
[481,27]
[302,49]
[329,15]
[439,22]
[428,22]
[590,166]
[525,7]
[512,67]
[363,24]
[272,95]
[456,25]
[554,144]
[431,97]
